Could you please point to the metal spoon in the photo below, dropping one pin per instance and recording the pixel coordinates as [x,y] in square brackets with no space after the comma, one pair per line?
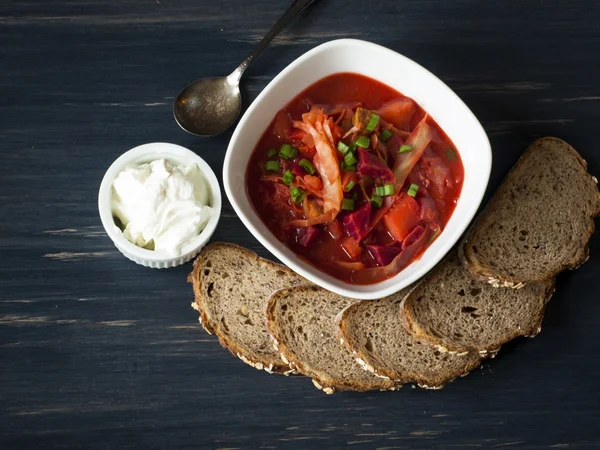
[210,106]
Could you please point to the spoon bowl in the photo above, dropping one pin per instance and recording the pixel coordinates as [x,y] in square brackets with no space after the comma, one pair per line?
[209,106]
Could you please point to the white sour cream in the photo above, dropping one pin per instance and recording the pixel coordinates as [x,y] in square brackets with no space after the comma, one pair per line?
[162,207]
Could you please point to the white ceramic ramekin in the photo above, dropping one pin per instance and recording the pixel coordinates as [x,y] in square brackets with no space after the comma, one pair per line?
[400,73]
[144,154]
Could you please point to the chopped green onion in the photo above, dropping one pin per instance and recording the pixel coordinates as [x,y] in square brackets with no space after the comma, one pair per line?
[388,189]
[271,152]
[405,148]
[376,200]
[350,159]
[363,142]
[413,189]
[450,155]
[343,148]
[373,122]
[288,177]
[287,151]
[347,167]
[349,186]
[385,135]
[297,194]
[272,166]
[307,165]
[347,204]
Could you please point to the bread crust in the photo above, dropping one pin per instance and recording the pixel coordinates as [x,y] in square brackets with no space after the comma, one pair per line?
[487,274]
[413,327]
[401,378]
[196,278]
[321,380]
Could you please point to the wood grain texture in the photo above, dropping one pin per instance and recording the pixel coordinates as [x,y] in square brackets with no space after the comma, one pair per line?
[97,352]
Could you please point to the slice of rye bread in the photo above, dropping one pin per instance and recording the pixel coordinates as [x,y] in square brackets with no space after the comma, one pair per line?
[373,330]
[301,321]
[232,286]
[452,310]
[538,222]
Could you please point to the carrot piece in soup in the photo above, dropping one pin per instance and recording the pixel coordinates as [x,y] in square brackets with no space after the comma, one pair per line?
[351,248]
[312,182]
[398,112]
[335,230]
[402,217]
[350,265]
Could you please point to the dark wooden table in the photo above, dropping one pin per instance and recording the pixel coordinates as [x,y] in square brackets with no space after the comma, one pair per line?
[97,352]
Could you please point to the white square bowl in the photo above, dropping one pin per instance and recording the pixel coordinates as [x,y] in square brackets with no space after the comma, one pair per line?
[410,79]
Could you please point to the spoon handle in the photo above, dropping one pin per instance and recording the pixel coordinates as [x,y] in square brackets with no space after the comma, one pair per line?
[292,11]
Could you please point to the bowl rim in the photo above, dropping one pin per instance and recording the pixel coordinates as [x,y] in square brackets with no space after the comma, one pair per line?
[143,154]
[318,276]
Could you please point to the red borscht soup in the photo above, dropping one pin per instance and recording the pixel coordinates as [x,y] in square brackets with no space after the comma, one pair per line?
[355,178]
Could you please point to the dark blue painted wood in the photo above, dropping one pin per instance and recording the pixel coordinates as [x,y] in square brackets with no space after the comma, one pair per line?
[96,352]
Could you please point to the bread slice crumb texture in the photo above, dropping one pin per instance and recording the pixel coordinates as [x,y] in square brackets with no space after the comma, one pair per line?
[232,286]
[458,313]
[302,321]
[374,332]
[538,222]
